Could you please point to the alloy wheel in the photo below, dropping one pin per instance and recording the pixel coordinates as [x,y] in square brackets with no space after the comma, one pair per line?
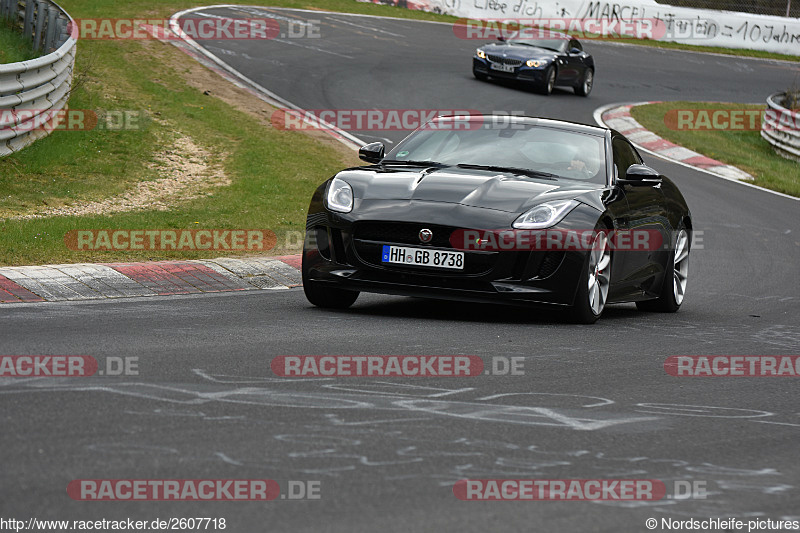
[599,273]
[680,266]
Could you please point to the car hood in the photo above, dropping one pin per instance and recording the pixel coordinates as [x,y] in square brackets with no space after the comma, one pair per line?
[519,51]
[475,188]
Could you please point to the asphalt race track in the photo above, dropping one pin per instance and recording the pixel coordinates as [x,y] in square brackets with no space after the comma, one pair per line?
[594,401]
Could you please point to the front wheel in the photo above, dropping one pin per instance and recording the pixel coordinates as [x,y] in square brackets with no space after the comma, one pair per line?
[674,286]
[322,295]
[548,81]
[328,297]
[586,84]
[594,283]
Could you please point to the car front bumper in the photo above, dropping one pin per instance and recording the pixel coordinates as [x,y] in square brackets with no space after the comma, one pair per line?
[345,252]
[520,73]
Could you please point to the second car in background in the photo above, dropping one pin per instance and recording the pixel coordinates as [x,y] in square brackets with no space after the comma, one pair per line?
[541,64]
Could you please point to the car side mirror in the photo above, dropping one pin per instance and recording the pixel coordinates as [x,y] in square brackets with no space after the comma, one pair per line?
[641,174]
[372,152]
[575,51]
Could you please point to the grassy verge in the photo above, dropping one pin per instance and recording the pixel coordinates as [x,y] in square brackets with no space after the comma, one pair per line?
[272,173]
[13,46]
[191,122]
[743,149]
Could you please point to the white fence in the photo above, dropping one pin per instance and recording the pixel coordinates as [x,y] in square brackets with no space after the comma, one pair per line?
[33,92]
[687,25]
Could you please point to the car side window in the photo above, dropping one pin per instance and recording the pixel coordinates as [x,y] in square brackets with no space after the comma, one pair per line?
[639,160]
[624,156]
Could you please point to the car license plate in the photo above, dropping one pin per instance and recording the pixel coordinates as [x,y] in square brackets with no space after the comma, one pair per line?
[422,257]
[503,68]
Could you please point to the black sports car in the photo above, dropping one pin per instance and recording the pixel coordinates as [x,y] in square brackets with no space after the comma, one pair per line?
[456,211]
[539,63]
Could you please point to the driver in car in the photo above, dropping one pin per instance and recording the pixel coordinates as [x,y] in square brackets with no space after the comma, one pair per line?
[583,166]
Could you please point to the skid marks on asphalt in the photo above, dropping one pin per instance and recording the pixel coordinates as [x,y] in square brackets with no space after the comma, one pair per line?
[404,432]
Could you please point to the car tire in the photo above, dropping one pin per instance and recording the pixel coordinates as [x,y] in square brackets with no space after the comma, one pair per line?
[323,295]
[480,75]
[673,288]
[590,300]
[548,81]
[586,84]
[328,297]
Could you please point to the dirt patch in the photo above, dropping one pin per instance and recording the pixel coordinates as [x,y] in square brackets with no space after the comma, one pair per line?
[190,174]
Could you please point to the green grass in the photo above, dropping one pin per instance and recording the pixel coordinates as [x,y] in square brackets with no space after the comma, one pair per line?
[273,172]
[13,46]
[746,150]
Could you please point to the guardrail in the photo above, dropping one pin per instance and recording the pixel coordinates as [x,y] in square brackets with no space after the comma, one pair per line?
[33,92]
[781,128]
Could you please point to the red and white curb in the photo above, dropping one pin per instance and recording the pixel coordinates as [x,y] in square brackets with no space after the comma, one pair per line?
[54,283]
[619,117]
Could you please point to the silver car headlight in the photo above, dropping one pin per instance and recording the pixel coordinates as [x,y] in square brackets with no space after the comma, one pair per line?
[545,215]
[480,53]
[340,196]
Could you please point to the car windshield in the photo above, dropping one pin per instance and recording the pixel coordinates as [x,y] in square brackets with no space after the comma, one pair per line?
[558,45]
[546,152]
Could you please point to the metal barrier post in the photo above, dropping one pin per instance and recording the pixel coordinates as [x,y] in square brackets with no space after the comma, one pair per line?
[50,36]
[28,25]
[41,14]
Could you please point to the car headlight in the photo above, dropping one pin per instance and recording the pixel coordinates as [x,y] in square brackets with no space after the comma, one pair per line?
[534,63]
[545,215]
[340,196]
[480,53]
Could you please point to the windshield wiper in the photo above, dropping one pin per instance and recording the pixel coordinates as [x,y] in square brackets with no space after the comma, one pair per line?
[415,163]
[513,170]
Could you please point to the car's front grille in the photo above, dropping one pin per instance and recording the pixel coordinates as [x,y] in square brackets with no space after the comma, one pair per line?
[402,233]
[369,238]
[504,60]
